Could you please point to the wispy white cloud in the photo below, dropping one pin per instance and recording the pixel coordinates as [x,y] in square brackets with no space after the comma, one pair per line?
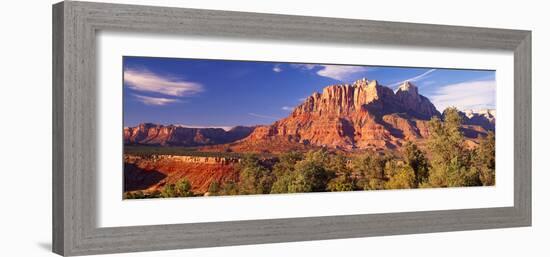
[226,128]
[287,108]
[337,72]
[478,94]
[413,79]
[146,81]
[148,100]
[263,116]
[428,82]
[340,72]
[277,68]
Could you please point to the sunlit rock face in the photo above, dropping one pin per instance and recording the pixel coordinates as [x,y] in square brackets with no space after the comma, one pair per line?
[361,115]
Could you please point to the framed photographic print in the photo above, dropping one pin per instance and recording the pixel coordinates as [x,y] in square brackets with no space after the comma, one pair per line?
[245,128]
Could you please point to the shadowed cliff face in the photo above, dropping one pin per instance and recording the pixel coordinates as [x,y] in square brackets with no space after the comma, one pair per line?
[136,178]
[361,115]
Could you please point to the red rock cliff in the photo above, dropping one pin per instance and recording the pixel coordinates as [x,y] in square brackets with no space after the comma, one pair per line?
[361,115]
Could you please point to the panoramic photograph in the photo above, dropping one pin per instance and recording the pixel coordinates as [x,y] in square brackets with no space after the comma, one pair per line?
[198,127]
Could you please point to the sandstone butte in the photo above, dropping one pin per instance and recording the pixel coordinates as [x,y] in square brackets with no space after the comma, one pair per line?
[362,115]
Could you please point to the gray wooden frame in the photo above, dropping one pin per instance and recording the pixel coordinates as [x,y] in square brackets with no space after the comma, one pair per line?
[75,25]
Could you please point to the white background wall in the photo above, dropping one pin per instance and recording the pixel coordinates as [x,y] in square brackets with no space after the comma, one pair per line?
[25,129]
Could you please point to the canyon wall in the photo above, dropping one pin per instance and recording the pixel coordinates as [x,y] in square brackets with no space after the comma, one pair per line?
[153,172]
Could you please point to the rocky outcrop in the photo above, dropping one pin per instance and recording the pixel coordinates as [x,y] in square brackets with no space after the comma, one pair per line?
[361,115]
[364,114]
[155,134]
[413,103]
[183,158]
[368,95]
[151,173]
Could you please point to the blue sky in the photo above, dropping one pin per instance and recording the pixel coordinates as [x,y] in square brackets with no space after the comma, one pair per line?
[220,93]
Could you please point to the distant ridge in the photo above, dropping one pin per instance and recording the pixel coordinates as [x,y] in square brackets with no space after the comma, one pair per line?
[177,135]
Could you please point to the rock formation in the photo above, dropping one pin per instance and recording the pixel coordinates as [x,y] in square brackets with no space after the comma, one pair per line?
[414,103]
[361,115]
[151,173]
[154,134]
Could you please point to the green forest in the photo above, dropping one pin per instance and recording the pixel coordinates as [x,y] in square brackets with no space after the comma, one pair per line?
[444,161]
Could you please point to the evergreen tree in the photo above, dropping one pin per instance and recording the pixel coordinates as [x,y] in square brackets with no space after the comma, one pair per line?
[311,176]
[343,182]
[401,177]
[229,188]
[282,183]
[485,159]
[308,174]
[370,167]
[182,188]
[253,177]
[286,162]
[450,159]
[214,188]
[168,191]
[298,183]
[416,160]
[284,171]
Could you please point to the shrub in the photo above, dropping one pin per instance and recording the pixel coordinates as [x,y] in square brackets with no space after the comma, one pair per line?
[182,188]
[401,178]
[229,188]
[370,167]
[134,195]
[253,177]
[485,159]
[214,188]
[343,182]
[282,183]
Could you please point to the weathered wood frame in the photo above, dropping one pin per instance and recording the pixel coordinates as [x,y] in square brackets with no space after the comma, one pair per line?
[75,25]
